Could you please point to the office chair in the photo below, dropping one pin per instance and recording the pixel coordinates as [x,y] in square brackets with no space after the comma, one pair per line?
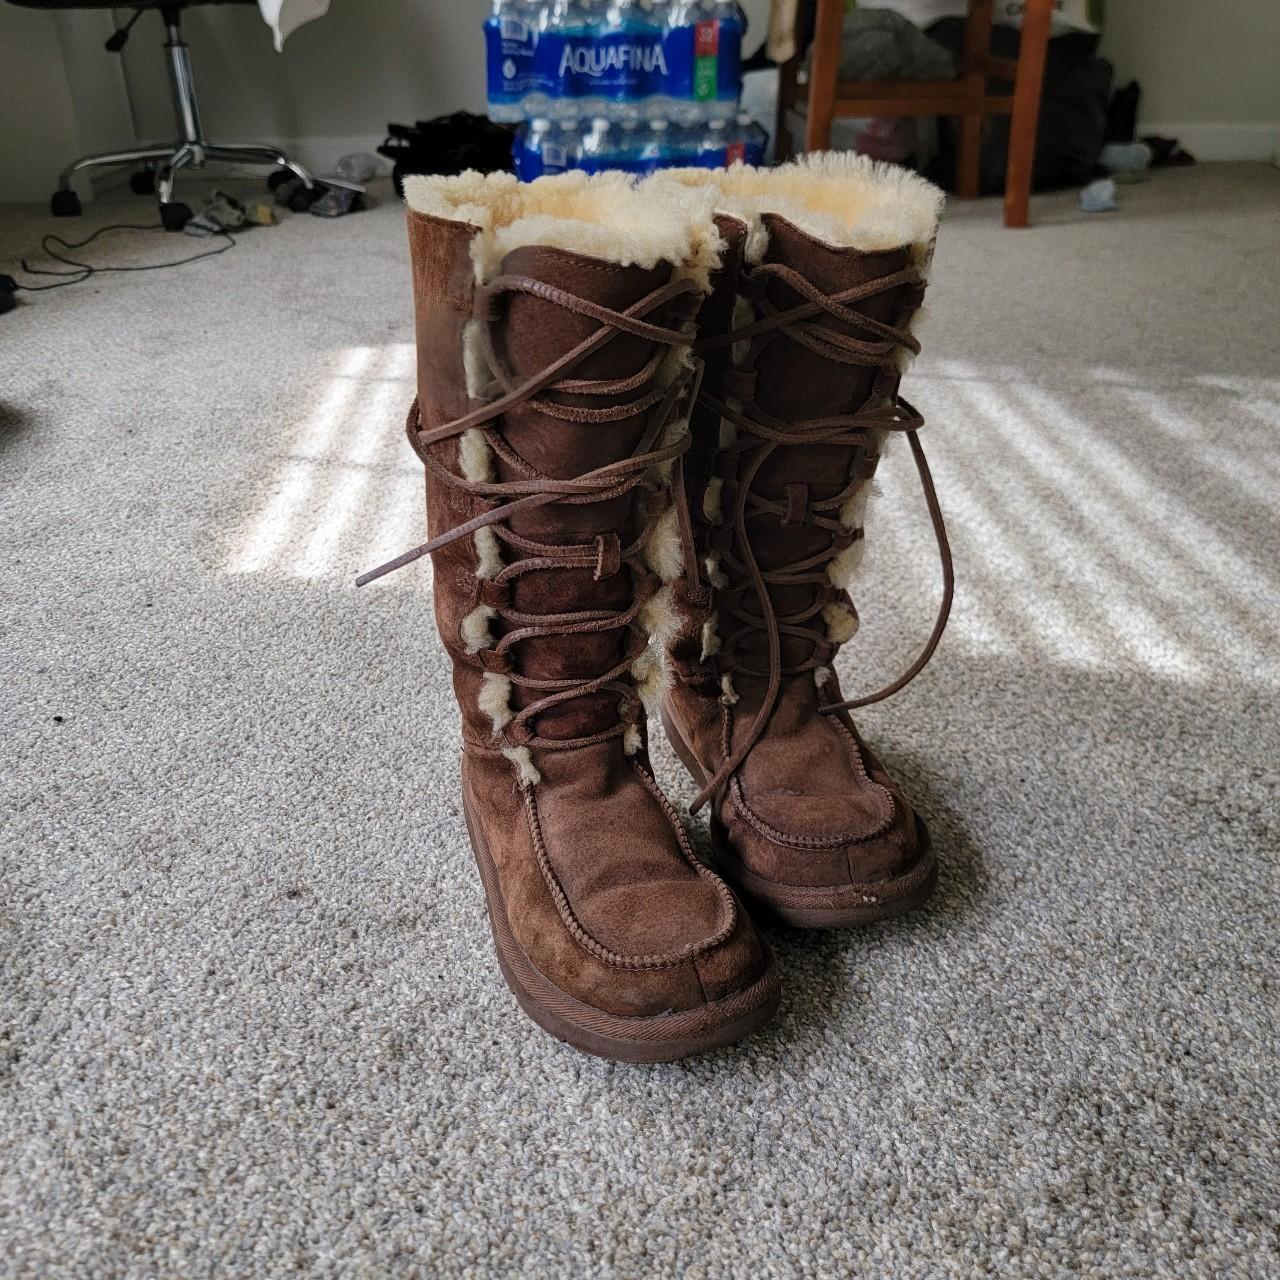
[192,150]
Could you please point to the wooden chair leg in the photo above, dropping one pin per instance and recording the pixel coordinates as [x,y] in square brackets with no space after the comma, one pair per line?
[782,144]
[824,67]
[1036,17]
[977,45]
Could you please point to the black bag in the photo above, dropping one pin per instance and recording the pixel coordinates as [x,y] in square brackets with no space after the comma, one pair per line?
[1073,113]
[447,145]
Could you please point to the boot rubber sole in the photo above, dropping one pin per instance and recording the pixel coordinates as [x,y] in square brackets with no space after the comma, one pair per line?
[813,906]
[663,1037]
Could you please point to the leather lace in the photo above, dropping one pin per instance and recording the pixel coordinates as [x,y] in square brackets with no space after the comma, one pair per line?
[760,434]
[641,392]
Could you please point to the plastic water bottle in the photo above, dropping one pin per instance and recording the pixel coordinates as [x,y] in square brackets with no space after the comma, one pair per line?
[712,150]
[606,56]
[657,146]
[645,36]
[679,100]
[511,37]
[680,146]
[596,151]
[731,23]
[620,60]
[752,138]
[704,60]
[569,48]
[545,146]
[563,147]
[531,139]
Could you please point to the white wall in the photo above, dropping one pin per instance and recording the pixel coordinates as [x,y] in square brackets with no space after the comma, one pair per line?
[1210,72]
[38,128]
[338,82]
[61,96]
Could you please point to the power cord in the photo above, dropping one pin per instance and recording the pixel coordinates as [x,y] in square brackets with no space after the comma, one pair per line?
[81,271]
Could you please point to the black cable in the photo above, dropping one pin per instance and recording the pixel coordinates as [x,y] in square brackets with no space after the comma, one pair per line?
[120,37]
[83,270]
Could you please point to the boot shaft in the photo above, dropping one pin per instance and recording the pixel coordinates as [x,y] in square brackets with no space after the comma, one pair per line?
[569,304]
[824,227]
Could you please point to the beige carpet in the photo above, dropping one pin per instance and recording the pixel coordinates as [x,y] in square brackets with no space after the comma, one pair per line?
[250,1022]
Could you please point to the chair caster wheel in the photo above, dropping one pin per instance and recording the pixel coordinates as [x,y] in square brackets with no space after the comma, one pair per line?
[143,183]
[65,204]
[174,215]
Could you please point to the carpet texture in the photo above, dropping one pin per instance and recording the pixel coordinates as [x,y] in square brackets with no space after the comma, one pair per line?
[250,1020]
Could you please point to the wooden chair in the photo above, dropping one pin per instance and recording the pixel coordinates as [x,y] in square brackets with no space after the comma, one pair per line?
[966,97]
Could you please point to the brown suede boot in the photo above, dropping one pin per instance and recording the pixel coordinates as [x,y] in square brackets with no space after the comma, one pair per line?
[804,337]
[553,323]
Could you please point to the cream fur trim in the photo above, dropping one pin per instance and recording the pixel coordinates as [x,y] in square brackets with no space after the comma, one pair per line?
[598,215]
[822,676]
[728,694]
[843,199]
[475,364]
[475,457]
[526,771]
[652,679]
[662,550]
[632,739]
[710,638]
[488,553]
[841,624]
[711,500]
[658,616]
[843,567]
[494,700]
[475,628]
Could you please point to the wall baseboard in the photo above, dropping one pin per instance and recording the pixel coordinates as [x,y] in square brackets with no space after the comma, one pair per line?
[1221,140]
[320,155]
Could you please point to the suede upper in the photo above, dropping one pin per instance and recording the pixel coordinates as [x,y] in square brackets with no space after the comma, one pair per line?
[807,806]
[596,876]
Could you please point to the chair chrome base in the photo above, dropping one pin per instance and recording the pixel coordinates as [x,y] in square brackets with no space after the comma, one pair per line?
[193,150]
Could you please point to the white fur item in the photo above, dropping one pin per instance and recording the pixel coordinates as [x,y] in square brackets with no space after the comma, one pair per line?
[710,638]
[526,771]
[662,550]
[841,624]
[712,499]
[652,679]
[599,215]
[495,700]
[658,616]
[728,694]
[475,628]
[843,199]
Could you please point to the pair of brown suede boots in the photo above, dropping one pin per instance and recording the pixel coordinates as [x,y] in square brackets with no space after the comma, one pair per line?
[650,414]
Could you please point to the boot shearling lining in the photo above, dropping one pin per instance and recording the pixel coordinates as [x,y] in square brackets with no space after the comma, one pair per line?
[598,215]
[845,200]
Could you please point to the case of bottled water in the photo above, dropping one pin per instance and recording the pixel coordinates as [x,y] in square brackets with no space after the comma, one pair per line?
[634,85]
[635,146]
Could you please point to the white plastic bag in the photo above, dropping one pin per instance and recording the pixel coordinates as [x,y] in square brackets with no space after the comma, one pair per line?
[284,17]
